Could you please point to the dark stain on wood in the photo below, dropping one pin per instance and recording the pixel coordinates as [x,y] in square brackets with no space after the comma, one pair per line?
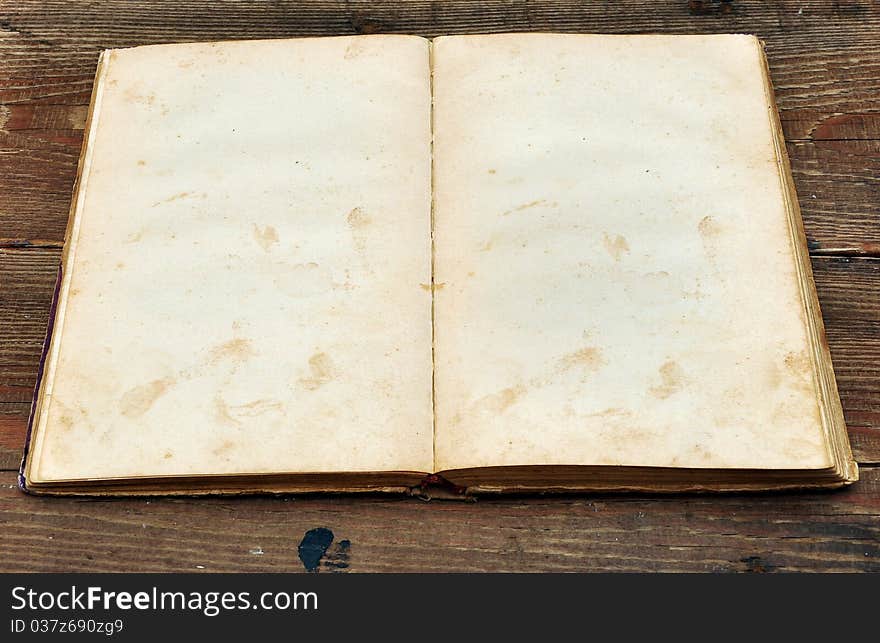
[313,546]
[337,558]
[755,565]
[710,7]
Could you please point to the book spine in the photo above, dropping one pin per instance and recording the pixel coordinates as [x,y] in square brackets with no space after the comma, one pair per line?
[436,486]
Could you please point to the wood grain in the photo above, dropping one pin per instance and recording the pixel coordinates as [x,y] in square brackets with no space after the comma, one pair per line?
[825,65]
[27,282]
[13,428]
[834,531]
[838,187]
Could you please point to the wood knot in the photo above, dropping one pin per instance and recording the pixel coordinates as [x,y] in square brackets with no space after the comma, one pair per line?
[366,25]
[710,7]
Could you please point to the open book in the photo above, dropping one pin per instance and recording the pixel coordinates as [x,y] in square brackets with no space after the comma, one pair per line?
[518,262]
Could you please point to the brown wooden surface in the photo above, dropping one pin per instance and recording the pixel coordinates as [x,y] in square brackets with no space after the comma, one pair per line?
[825,64]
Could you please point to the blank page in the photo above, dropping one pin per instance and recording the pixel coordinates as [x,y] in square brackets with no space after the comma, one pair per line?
[244,291]
[615,278]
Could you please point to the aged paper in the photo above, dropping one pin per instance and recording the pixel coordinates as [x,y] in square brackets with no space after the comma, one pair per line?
[615,279]
[247,281]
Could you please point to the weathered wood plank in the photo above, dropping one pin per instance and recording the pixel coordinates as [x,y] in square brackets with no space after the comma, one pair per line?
[813,125]
[13,427]
[849,293]
[838,187]
[47,22]
[833,531]
[36,179]
[27,282]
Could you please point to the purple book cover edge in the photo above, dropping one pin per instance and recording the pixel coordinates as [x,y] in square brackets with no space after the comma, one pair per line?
[22,482]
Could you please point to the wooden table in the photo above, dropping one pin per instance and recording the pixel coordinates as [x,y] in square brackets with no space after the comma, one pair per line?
[825,64]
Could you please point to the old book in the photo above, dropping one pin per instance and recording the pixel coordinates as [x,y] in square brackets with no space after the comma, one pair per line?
[517,262]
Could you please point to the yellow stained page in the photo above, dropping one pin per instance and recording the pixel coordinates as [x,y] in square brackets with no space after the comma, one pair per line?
[244,286]
[615,278]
